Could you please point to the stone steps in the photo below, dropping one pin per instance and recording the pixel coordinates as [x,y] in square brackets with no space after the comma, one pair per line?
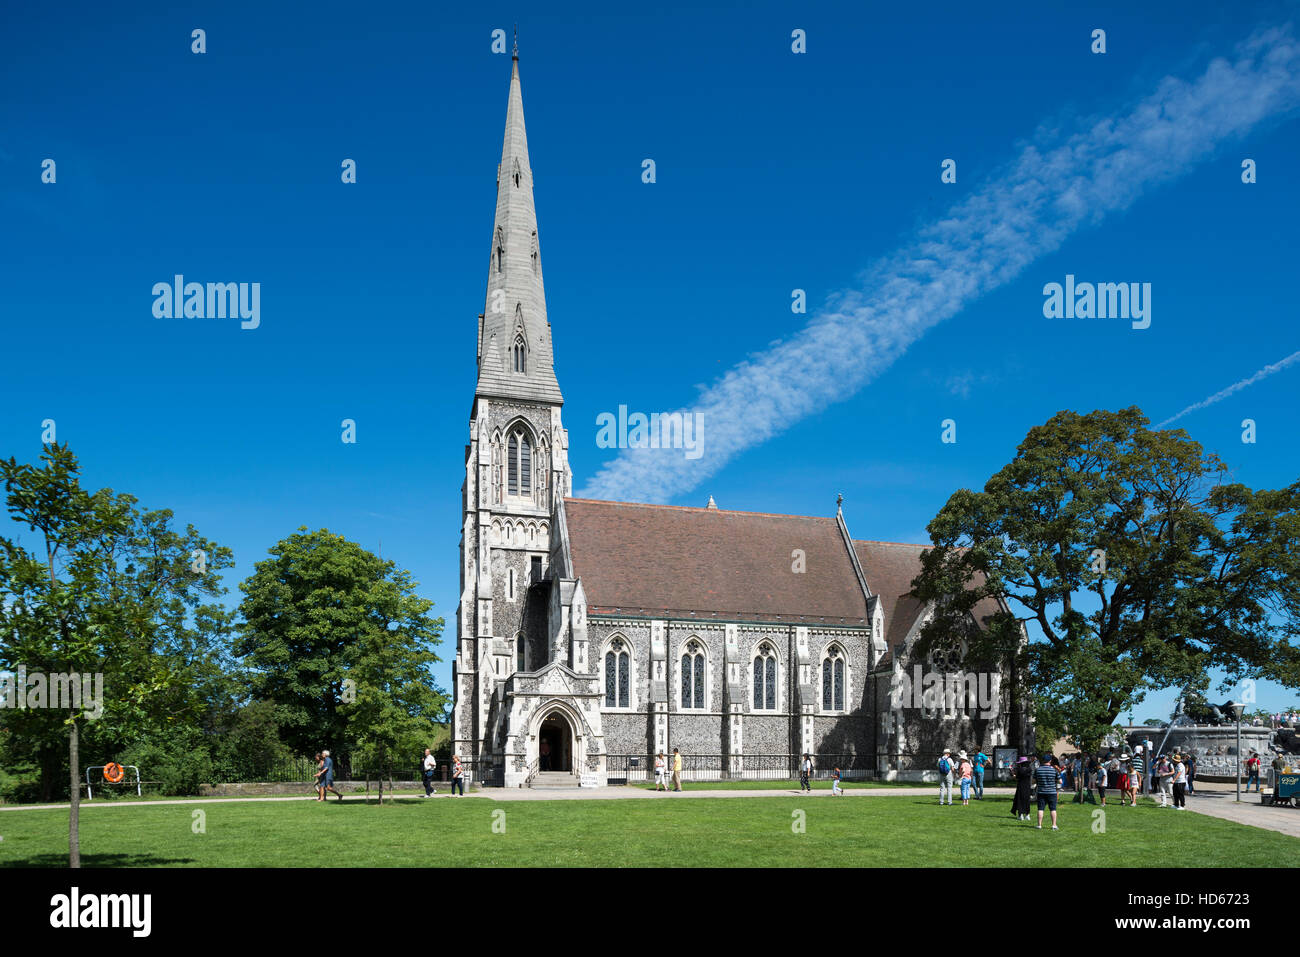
[554,779]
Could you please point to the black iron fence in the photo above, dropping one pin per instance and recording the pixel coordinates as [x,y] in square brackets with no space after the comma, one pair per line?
[277,771]
[635,768]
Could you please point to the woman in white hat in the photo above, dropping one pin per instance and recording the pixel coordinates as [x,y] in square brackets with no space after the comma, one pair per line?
[966,771]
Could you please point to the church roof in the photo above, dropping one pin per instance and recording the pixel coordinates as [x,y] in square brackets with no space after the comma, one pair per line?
[672,561]
[889,568]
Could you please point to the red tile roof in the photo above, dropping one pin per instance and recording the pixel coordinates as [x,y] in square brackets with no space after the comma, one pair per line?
[669,561]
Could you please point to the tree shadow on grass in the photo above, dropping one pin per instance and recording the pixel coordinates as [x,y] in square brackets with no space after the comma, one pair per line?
[98,860]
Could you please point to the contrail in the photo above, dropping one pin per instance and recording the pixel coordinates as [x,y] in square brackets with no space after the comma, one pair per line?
[1219,396]
[1052,189]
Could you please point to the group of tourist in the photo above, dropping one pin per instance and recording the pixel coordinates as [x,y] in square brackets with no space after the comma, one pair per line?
[1172,777]
[1285,719]
[965,771]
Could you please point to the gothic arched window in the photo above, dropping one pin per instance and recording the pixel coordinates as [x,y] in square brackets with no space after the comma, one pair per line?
[501,250]
[765,678]
[519,353]
[833,679]
[521,658]
[618,665]
[693,665]
[536,254]
[516,172]
[520,464]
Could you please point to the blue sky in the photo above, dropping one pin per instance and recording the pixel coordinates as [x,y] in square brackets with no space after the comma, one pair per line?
[775,171]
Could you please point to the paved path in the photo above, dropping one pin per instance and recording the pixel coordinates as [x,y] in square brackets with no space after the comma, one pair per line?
[1222,804]
[538,794]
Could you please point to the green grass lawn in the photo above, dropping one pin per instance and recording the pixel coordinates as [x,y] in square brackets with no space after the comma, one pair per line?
[667,832]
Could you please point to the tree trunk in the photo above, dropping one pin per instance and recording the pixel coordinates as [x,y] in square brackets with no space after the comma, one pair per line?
[74,814]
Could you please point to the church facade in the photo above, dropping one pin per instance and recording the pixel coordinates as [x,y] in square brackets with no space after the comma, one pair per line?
[592,635]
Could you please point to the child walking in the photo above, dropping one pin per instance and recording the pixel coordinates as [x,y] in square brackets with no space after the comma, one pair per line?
[835,783]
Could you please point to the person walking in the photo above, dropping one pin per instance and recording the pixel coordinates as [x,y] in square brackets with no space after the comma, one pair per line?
[429,765]
[320,770]
[945,777]
[1190,761]
[677,770]
[661,772]
[1024,776]
[327,780]
[1180,783]
[805,774]
[965,772]
[457,775]
[982,761]
[1047,777]
[835,783]
[1099,779]
[1252,770]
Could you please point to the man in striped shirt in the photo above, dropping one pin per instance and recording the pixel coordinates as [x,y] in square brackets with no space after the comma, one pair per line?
[1045,776]
[1135,775]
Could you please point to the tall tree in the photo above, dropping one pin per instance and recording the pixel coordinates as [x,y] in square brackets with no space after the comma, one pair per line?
[338,639]
[1139,563]
[107,591]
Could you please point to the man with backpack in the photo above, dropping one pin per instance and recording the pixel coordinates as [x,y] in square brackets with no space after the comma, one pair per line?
[1252,770]
[945,776]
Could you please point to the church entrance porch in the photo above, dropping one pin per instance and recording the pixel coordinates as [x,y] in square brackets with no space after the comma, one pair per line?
[555,744]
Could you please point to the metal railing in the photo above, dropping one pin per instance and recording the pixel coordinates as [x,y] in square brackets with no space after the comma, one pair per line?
[635,768]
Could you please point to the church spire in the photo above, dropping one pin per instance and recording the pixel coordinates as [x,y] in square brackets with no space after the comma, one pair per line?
[514,350]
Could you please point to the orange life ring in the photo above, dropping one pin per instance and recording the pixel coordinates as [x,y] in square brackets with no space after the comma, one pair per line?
[113,772]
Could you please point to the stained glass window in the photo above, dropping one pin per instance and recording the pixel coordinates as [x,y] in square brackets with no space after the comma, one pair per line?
[618,668]
[833,680]
[693,676]
[765,678]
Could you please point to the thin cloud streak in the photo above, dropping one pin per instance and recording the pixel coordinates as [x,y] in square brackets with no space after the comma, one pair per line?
[1051,190]
[1222,394]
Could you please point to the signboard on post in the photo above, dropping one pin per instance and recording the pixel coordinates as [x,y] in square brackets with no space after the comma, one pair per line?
[1004,762]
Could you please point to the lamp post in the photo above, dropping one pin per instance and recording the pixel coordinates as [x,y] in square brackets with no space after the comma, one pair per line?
[1237,708]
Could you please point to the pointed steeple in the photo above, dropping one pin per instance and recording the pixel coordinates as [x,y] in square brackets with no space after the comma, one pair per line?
[514,349]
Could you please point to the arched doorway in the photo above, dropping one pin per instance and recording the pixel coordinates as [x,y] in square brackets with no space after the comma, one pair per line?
[555,743]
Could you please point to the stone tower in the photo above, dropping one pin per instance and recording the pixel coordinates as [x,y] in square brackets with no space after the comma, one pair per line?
[516,465]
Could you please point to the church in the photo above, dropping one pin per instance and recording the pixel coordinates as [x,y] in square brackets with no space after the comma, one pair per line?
[592,635]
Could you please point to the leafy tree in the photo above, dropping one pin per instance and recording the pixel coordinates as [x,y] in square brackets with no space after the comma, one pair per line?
[1139,563]
[322,611]
[109,590]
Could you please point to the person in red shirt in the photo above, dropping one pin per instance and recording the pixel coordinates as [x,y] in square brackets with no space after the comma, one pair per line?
[1252,770]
